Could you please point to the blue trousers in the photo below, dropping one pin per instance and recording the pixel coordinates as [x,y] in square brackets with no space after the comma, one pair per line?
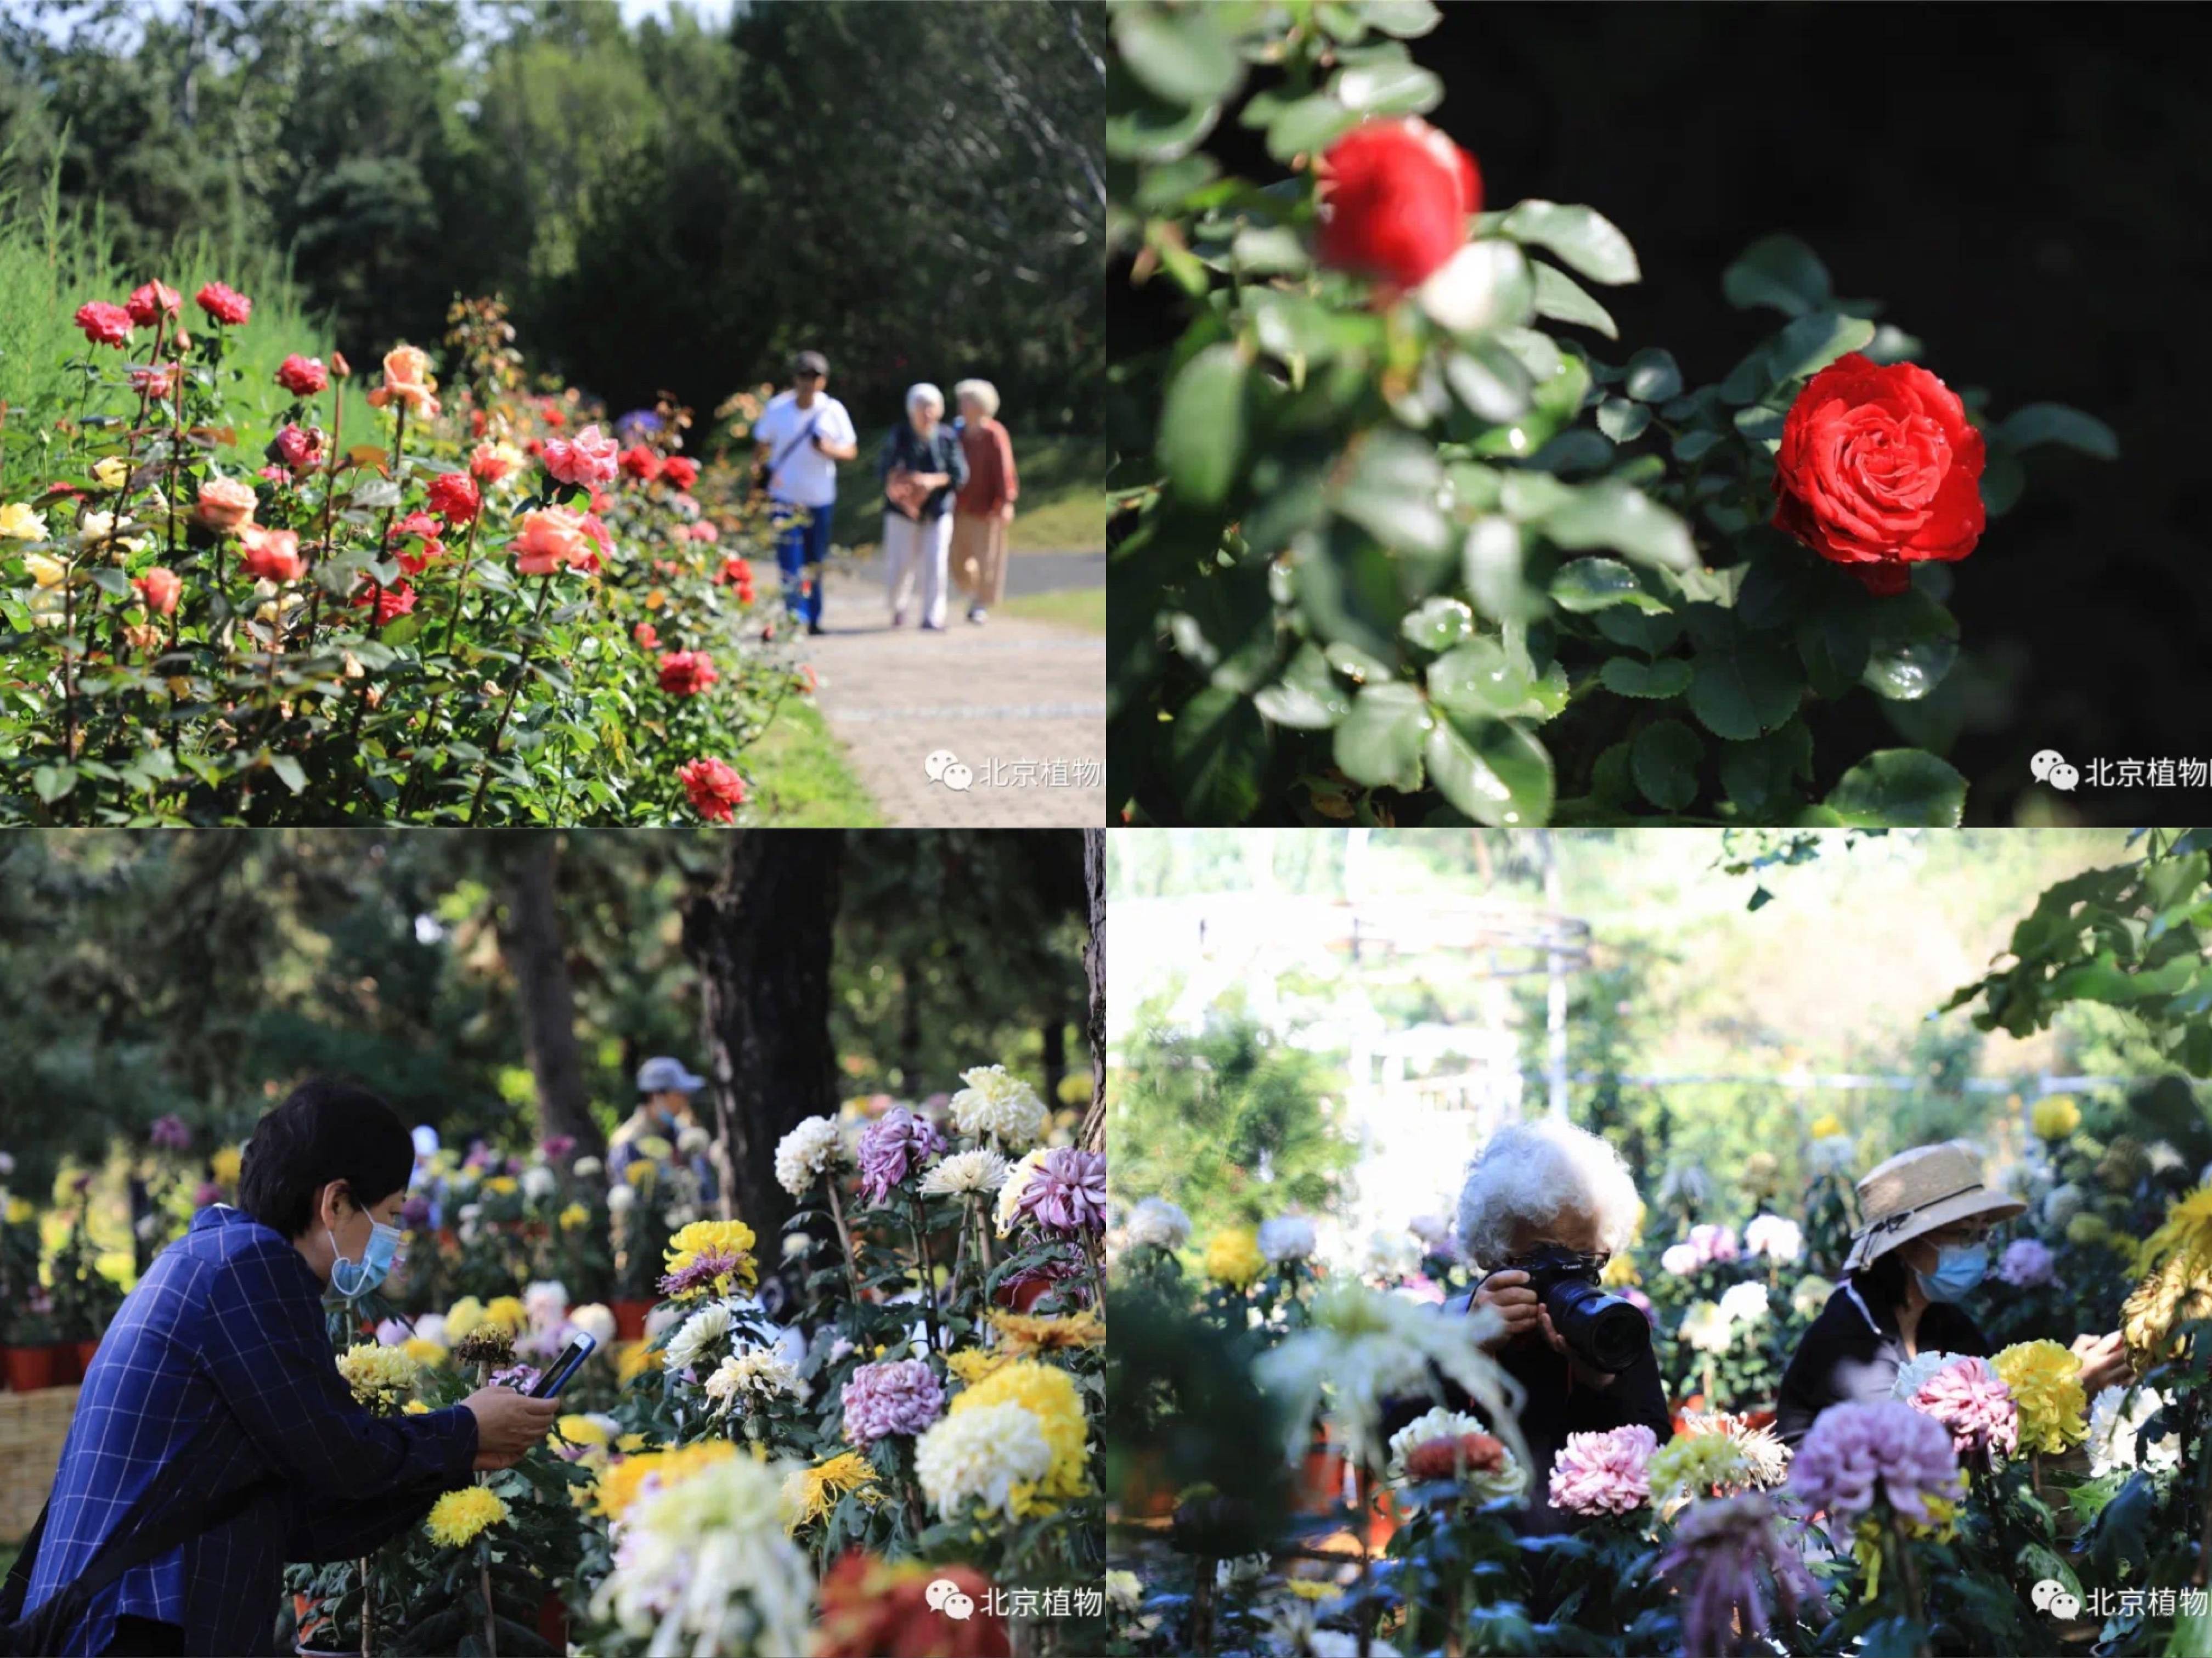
[802,543]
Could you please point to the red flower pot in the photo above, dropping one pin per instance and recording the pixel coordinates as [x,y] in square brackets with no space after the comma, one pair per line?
[85,1349]
[629,1319]
[1024,1295]
[67,1373]
[29,1369]
[553,1622]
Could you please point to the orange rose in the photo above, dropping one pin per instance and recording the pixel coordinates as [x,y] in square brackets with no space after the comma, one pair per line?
[550,537]
[225,504]
[406,380]
[272,555]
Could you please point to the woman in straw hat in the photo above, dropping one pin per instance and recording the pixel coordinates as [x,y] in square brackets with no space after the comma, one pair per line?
[1923,1250]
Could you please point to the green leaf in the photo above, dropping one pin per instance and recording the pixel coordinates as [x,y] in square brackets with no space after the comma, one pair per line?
[1561,297]
[1493,770]
[1388,88]
[1201,441]
[1184,56]
[1491,564]
[403,631]
[1379,743]
[1490,380]
[1395,493]
[1833,643]
[1404,19]
[1306,697]
[1742,692]
[1757,774]
[1217,749]
[1437,625]
[1656,680]
[1611,513]
[1898,787]
[1584,585]
[1907,670]
[51,783]
[1652,377]
[1650,633]
[1696,444]
[1663,760]
[2054,422]
[1582,236]
[1622,420]
[1308,124]
[111,581]
[1811,344]
[1481,679]
[288,768]
[1778,271]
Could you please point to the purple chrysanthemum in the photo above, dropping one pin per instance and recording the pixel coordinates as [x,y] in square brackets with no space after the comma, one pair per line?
[1067,1192]
[170,1133]
[557,1146]
[1725,1554]
[1853,1449]
[704,1268]
[520,1377]
[1971,1399]
[892,1147]
[900,1396]
[2027,1264]
[415,1213]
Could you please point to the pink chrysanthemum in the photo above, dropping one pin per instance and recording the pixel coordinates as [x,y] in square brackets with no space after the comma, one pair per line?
[1971,1399]
[900,1396]
[1604,1472]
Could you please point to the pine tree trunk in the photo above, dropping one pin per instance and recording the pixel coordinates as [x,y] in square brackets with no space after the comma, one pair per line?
[529,938]
[760,936]
[1094,969]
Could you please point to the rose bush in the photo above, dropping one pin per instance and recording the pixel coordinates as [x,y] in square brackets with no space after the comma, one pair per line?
[1397,548]
[437,621]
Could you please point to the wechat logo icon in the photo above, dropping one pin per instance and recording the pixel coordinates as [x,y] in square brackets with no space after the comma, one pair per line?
[2054,1597]
[946,1596]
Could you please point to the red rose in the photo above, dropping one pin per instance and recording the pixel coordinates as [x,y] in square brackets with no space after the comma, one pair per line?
[736,571]
[646,635]
[1395,197]
[487,465]
[272,555]
[158,588]
[223,303]
[454,497]
[687,673]
[104,324]
[640,463]
[714,788]
[150,301]
[1879,470]
[303,377]
[416,526]
[681,470]
[155,380]
[299,449]
[391,603]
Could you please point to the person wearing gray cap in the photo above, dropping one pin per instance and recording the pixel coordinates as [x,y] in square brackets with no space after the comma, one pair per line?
[797,441]
[665,1088]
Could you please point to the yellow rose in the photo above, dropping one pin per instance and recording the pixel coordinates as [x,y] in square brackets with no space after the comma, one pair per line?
[18,522]
[111,473]
[47,572]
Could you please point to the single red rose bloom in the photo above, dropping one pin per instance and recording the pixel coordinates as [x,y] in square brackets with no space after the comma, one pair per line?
[158,588]
[681,470]
[303,377]
[737,570]
[640,463]
[149,301]
[1879,469]
[687,673]
[223,303]
[104,324]
[454,497]
[1395,197]
[391,603]
[715,789]
[647,636]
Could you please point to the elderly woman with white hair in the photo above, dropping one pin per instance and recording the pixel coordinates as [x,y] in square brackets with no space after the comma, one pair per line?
[923,467]
[984,505]
[1548,1203]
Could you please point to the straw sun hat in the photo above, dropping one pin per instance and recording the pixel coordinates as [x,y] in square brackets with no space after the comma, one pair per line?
[1921,1191]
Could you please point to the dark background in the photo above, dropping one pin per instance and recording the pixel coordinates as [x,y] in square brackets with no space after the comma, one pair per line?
[2025,188]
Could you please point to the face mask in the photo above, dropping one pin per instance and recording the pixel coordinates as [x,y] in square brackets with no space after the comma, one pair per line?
[1958,1269]
[356,1278]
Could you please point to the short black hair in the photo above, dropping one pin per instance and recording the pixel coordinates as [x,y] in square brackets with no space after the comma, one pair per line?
[1881,1282]
[326,1130]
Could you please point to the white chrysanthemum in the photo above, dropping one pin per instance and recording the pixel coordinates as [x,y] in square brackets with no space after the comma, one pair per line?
[705,1566]
[596,1320]
[980,1170]
[1388,1256]
[806,1153]
[1678,1260]
[700,1331]
[1918,1372]
[1000,1106]
[584,1168]
[1831,1154]
[1286,1237]
[1745,1302]
[1774,1236]
[1157,1223]
[622,1198]
[2115,1426]
[1511,1479]
[431,1326]
[757,1373]
[981,1453]
[546,1301]
[2163,1157]
[1010,1192]
[539,1182]
[1810,1296]
[1707,1328]
[2061,1205]
[1125,1590]
[1343,1643]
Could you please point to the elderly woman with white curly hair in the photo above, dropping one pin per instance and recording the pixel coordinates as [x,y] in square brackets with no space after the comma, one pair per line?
[922,469]
[1544,1195]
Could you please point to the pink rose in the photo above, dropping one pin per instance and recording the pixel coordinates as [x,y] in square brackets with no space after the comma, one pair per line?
[586,460]
[225,504]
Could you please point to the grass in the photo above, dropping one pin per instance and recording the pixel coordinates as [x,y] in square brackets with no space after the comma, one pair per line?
[1080,608]
[800,777]
[1062,508]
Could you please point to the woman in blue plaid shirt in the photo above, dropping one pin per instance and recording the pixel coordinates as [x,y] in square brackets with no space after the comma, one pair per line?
[221,1347]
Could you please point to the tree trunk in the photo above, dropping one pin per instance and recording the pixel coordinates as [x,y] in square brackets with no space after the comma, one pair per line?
[761,937]
[529,938]
[1052,1037]
[1094,969]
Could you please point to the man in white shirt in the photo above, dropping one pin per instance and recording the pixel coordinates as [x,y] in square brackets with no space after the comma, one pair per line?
[798,439]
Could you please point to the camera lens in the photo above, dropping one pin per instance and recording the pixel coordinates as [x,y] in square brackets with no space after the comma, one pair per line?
[1604,1331]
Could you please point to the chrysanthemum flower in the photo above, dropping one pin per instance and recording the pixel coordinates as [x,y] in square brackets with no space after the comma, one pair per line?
[810,1150]
[998,1105]
[1605,1472]
[458,1517]
[2045,1380]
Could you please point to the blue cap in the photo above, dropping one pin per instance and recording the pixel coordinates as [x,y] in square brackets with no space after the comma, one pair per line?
[662,1075]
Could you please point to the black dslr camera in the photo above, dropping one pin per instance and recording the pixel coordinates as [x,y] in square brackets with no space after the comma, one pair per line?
[1603,1331]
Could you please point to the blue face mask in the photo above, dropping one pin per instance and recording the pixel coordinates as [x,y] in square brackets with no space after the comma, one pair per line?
[356,1278]
[1958,1269]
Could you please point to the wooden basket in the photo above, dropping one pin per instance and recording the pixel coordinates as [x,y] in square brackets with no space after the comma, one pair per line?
[32,1428]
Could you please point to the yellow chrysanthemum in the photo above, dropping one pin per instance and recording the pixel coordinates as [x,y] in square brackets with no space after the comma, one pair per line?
[465,1317]
[226,1162]
[809,1494]
[624,1483]
[1942,1526]
[1049,1395]
[2056,1117]
[632,1358]
[631,1442]
[640,1173]
[45,572]
[2086,1228]
[575,1217]
[2171,1295]
[581,1431]
[1620,1270]
[1697,1465]
[414,1407]
[458,1517]
[19,1212]
[722,1237]
[504,1185]
[1023,1333]
[972,1364]
[2185,1234]
[1825,1125]
[423,1350]
[381,1377]
[1233,1257]
[509,1313]
[2045,1380]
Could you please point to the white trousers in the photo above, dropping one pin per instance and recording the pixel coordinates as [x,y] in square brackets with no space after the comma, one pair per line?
[915,552]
